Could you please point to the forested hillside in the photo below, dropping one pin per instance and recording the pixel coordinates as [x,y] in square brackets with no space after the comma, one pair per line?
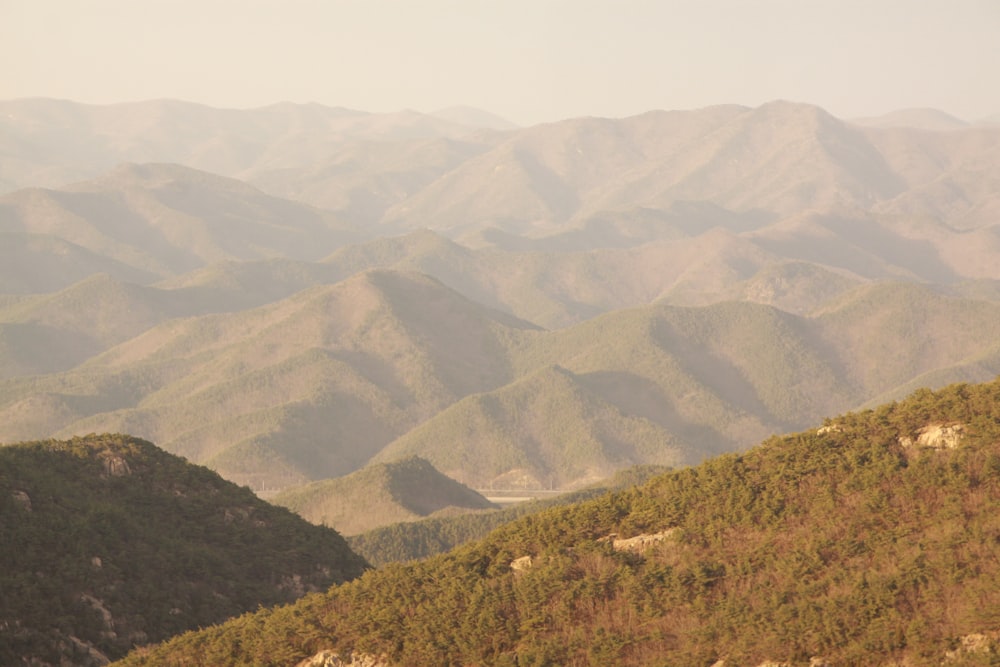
[107,542]
[871,540]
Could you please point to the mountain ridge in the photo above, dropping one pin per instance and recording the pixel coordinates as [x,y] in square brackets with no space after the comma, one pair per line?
[322,382]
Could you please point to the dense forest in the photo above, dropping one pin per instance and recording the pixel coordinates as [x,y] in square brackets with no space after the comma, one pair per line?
[108,542]
[872,540]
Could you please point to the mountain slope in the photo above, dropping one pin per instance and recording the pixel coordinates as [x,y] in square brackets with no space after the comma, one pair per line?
[166,219]
[544,431]
[390,363]
[380,494]
[869,541]
[108,542]
[37,263]
[922,119]
[308,387]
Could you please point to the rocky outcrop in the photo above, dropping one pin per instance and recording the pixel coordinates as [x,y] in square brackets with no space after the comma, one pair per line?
[334,659]
[639,543]
[521,564]
[94,657]
[935,436]
[22,499]
[106,616]
[976,643]
[115,465]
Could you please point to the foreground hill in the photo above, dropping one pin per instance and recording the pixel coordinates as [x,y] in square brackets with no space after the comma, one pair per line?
[869,541]
[381,494]
[107,542]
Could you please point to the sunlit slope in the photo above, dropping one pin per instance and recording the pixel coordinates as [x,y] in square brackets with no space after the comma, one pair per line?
[869,541]
[544,431]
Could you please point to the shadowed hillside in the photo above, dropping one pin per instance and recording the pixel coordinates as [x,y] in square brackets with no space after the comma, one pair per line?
[381,494]
[108,542]
[868,541]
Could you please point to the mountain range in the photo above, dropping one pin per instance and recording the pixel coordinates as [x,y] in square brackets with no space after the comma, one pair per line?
[389,364]
[292,293]
[382,318]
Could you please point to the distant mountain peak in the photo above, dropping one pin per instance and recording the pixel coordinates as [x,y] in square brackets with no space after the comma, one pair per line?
[466,115]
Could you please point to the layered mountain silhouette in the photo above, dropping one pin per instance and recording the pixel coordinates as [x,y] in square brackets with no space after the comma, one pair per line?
[51,142]
[166,219]
[388,364]
[294,292]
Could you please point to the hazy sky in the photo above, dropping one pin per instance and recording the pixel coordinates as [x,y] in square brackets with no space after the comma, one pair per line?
[528,61]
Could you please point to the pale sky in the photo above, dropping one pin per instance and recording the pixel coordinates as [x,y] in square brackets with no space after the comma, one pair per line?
[528,61]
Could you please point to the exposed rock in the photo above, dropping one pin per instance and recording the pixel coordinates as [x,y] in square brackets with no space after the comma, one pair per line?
[936,436]
[96,562]
[96,657]
[98,606]
[640,543]
[115,465]
[22,499]
[977,642]
[817,661]
[829,428]
[294,585]
[138,638]
[521,564]
[236,514]
[334,659]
